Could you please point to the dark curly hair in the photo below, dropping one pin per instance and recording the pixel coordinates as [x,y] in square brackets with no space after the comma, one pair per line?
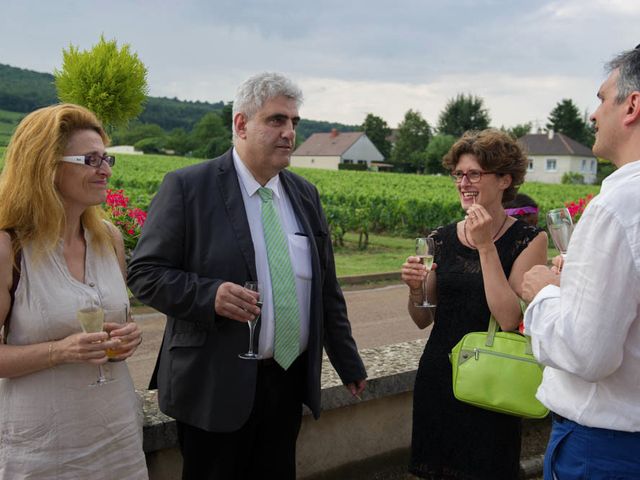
[496,151]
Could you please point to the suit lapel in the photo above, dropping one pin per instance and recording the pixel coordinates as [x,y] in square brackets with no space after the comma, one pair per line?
[230,191]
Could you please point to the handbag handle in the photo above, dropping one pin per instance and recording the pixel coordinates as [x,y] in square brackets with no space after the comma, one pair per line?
[494,328]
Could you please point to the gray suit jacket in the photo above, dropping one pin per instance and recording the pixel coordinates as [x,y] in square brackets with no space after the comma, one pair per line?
[196,237]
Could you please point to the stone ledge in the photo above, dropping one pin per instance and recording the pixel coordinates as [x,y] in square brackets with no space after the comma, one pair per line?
[386,402]
[391,369]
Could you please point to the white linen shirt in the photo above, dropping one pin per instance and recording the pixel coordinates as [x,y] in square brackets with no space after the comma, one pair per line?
[587,331]
[299,252]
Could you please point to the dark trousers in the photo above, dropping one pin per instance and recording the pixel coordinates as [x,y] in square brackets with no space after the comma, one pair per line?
[265,446]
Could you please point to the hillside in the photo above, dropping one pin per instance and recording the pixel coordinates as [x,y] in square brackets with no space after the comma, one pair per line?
[8,123]
[24,90]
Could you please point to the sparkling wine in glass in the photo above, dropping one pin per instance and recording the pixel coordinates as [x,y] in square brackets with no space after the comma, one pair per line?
[91,318]
[425,250]
[119,315]
[560,228]
[251,355]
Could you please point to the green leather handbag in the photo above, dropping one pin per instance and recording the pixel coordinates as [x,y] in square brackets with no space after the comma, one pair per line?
[497,371]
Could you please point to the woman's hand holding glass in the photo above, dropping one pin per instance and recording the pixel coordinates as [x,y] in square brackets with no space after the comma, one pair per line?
[414,275]
[81,347]
[122,330]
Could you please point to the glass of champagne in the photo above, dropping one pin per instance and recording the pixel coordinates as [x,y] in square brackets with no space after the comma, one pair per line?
[91,318]
[119,315]
[425,250]
[251,355]
[560,228]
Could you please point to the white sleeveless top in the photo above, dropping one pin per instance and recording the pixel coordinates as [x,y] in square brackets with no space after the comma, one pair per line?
[52,424]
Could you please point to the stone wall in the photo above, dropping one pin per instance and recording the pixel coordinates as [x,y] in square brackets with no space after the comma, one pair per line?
[353,438]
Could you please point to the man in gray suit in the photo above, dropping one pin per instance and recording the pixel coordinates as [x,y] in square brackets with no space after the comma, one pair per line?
[203,238]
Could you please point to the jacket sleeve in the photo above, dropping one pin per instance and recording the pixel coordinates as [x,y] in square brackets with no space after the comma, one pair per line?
[338,339]
[157,273]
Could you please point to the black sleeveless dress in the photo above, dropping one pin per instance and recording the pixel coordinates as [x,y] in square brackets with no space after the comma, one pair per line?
[452,439]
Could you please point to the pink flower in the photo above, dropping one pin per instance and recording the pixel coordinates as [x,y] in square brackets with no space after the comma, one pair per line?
[128,220]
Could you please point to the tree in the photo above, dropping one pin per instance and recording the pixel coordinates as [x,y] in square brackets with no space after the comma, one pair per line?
[565,118]
[378,130]
[436,150]
[151,145]
[227,116]
[519,130]
[110,82]
[589,131]
[180,142]
[413,137]
[462,113]
[210,136]
[135,131]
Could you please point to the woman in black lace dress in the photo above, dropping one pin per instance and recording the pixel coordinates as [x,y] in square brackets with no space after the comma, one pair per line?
[480,262]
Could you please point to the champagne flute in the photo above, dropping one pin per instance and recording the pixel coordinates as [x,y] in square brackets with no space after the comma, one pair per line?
[425,250]
[119,315]
[251,355]
[91,318]
[560,228]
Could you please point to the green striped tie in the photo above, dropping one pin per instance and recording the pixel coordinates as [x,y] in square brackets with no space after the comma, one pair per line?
[285,299]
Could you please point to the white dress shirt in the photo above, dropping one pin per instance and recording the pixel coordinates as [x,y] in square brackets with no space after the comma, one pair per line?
[299,252]
[587,331]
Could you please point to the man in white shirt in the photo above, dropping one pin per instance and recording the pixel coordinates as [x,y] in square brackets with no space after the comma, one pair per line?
[585,323]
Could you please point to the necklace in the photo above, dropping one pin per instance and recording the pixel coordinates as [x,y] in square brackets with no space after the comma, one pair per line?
[464,228]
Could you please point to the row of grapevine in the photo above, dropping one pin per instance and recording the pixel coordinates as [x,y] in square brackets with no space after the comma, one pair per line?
[396,204]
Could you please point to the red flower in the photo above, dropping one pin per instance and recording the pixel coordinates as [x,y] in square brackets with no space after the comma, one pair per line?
[128,220]
[576,210]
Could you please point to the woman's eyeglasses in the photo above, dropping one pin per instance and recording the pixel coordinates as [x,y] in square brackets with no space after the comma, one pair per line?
[473,176]
[92,160]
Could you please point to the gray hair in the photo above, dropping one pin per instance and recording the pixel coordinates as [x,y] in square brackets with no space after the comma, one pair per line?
[628,63]
[255,91]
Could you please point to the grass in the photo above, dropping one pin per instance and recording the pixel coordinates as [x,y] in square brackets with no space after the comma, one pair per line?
[385,254]
[8,123]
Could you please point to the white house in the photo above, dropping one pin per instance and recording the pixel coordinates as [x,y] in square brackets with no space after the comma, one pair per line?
[128,149]
[553,154]
[328,150]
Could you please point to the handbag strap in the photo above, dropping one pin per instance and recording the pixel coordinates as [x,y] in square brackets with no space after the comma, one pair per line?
[14,285]
[494,328]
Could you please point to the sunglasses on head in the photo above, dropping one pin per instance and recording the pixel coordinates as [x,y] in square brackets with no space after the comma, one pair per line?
[92,160]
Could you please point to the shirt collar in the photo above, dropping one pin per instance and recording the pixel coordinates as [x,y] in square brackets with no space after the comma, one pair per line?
[247,180]
[622,174]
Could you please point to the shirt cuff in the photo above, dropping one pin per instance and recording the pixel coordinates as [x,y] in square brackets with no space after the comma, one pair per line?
[550,291]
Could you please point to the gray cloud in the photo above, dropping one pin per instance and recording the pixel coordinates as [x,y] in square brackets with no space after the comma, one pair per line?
[354,57]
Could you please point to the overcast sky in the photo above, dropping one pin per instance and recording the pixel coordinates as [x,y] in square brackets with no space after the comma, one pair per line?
[349,57]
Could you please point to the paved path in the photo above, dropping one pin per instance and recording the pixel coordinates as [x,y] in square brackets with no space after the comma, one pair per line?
[378,317]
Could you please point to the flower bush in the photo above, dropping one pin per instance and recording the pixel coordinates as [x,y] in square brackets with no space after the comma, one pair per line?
[577,209]
[129,220]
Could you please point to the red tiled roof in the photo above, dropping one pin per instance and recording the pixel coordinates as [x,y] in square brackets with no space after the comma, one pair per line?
[328,144]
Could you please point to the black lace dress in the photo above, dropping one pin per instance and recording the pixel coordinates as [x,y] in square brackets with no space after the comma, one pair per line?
[452,439]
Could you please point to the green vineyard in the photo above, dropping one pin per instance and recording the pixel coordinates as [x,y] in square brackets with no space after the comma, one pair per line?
[365,202]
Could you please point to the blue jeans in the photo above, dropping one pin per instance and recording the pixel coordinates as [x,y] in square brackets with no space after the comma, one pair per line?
[576,452]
